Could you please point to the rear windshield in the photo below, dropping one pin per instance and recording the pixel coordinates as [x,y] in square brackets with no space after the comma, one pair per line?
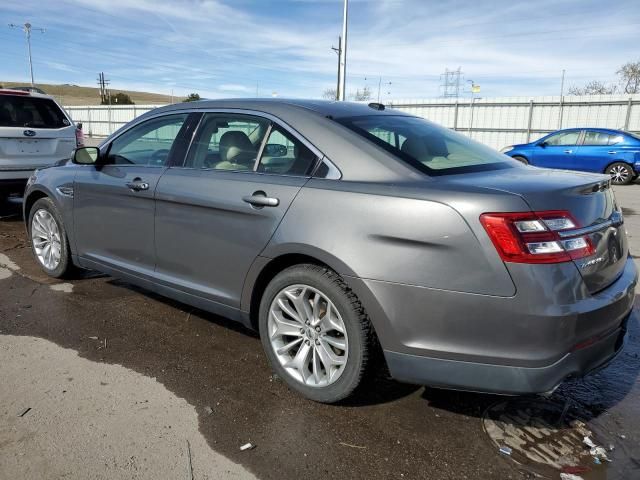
[26,111]
[433,149]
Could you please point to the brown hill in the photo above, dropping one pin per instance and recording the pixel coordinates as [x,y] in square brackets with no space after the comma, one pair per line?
[76,95]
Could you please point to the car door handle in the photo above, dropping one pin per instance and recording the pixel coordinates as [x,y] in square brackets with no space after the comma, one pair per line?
[568,151]
[137,185]
[260,199]
[612,152]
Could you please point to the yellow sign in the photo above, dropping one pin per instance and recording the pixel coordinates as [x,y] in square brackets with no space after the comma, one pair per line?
[475,88]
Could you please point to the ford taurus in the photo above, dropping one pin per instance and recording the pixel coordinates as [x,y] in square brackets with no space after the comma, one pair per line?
[345,233]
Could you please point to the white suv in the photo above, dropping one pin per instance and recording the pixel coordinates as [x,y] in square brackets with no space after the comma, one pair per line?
[34,132]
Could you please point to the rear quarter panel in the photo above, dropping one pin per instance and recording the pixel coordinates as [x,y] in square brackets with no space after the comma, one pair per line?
[394,234]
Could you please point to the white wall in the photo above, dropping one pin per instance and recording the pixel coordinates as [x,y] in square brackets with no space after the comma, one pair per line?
[497,122]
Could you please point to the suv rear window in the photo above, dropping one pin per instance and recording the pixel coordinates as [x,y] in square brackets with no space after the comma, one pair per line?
[27,111]
[433,149]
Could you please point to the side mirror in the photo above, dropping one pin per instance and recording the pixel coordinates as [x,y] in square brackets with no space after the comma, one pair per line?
[86,156]
[275,150]
[542,144]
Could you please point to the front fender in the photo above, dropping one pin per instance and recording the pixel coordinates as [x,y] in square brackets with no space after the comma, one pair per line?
[57,184]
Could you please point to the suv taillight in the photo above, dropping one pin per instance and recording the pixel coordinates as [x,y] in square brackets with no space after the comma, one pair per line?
[532,237]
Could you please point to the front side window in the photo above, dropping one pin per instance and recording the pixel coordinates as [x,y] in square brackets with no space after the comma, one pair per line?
[563,139]
[227,142]
[286,155]
[601,138]
[432,149]
[148,143]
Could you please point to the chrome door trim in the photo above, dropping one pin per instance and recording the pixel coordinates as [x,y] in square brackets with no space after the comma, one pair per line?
[240,111]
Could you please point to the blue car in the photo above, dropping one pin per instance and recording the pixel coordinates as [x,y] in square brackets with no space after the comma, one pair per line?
[586,149]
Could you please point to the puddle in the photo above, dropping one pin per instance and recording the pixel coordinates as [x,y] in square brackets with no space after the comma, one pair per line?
[547,437]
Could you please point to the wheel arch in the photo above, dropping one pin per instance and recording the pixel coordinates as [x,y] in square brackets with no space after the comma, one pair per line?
[263,271]
[29,200]
[618,161]
[521,155]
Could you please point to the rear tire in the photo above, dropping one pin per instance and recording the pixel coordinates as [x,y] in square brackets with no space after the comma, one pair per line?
[521,159]
[48,239]
[621,173]
[310,318]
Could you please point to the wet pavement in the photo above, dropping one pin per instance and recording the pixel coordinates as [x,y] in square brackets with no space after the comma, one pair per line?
[392,431]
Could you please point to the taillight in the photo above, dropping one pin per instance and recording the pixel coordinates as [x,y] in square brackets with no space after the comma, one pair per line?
[532,237]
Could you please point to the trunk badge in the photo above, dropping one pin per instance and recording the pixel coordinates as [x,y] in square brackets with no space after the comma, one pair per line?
[29,133]
[591,263]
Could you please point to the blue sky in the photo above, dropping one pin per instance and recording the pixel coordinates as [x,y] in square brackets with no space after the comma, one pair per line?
[230,48]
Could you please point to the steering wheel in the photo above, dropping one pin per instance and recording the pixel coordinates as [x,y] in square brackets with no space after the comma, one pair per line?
[159,156]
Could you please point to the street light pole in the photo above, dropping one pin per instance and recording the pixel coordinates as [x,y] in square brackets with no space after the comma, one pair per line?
[343,52]
[27,27]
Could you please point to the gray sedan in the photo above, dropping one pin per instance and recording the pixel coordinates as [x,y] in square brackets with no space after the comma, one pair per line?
[352,237]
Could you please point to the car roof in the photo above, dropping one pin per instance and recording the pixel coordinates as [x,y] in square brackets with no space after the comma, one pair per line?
[23,93]
[326,108]
[595,129]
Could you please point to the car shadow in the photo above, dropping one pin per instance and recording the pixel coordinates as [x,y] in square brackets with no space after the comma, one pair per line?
[11,209]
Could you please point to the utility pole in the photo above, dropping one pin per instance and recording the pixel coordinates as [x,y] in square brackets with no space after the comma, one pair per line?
[105,94]
[343,52]
[338,51]
[27,27]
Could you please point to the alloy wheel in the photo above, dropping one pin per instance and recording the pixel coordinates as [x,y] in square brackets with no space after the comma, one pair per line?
[45,237]
[619,174]
[307,335]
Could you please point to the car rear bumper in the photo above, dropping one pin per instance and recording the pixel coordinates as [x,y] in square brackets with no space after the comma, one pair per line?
[528,343]
[505,379]
[23,173]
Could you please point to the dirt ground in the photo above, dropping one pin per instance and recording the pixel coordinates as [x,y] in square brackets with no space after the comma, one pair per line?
[118,380]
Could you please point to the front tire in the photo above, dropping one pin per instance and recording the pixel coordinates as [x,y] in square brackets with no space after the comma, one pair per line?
[315,333]
[48,239]
[621,173]
[521,159]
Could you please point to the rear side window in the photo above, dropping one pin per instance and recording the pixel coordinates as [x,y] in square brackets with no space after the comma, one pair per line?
[601,138]
[432,149]
[227,142]
[286,155]
[26,111]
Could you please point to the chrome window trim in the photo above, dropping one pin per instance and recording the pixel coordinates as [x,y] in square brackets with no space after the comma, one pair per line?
[152,114]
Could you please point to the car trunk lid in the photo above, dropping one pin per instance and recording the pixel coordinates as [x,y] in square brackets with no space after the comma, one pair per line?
[588,198]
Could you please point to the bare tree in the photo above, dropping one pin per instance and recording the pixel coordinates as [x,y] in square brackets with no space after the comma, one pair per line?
[629,75]
[594,87]
[330,94]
